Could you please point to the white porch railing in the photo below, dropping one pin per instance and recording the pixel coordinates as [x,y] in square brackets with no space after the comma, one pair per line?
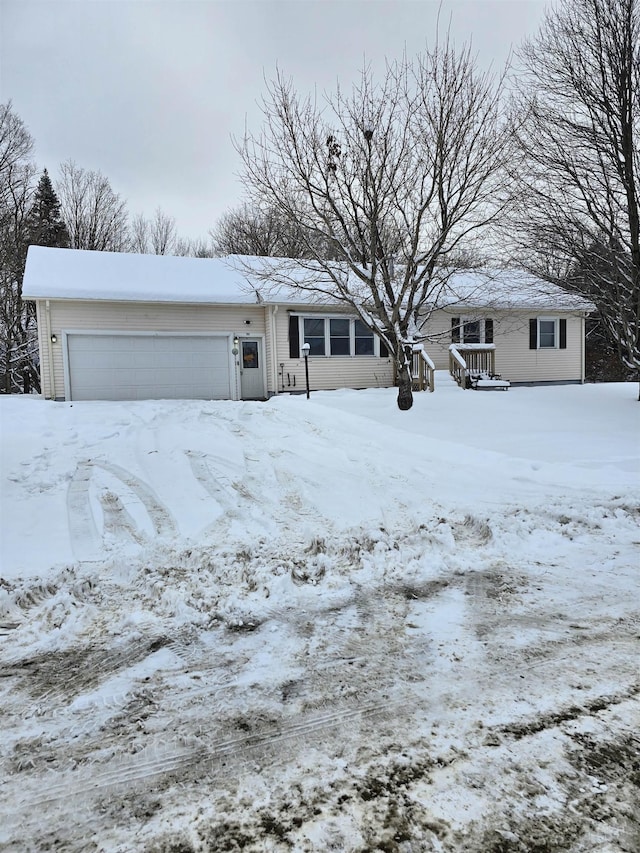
[474,366]
[422,370]
[457,366]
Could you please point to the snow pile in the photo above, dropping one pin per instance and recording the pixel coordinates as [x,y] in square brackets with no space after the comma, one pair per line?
[321,624]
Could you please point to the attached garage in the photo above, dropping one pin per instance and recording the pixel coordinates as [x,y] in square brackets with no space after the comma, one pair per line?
[119,326]
[147,366]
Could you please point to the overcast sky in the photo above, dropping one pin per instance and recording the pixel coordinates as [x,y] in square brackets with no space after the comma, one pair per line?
[150,92]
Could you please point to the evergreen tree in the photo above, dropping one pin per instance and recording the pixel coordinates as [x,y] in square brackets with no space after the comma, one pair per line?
[45,226]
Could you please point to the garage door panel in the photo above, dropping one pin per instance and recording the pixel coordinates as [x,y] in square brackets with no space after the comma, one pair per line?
[148,367]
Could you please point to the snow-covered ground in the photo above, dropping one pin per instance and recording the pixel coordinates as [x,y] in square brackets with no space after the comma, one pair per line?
[322,625]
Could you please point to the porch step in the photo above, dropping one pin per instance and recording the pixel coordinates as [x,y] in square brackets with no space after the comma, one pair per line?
[492,385]
[444,381]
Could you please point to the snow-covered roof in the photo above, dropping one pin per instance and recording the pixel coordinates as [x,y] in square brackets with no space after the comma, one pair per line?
[117,276]
[120,276]
[506,289]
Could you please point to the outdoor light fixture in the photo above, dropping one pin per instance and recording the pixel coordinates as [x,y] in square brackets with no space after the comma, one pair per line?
[54,339]
[305,352]
[236,344]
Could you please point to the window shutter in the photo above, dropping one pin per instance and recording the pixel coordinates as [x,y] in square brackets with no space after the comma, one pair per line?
[563,334]
[384,350]
[455,330]
[488,331]
[533,334]
[294,338]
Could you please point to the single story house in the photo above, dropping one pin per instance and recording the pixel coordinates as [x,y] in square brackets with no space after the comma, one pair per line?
[120,326]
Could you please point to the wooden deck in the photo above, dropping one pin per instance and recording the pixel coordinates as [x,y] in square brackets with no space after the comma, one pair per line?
[474,366]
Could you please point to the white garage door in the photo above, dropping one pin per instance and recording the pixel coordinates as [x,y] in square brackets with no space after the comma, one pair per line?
[149,367]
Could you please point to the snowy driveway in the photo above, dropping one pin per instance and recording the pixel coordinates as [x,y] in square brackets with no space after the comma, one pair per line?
[315,627]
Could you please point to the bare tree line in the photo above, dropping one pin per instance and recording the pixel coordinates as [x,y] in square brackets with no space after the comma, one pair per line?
[577,218]
[79,210]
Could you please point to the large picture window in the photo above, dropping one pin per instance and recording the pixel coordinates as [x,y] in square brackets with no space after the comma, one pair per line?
[335,336]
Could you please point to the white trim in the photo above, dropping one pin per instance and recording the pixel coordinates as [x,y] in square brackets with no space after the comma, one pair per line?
[273,311]
[52,375]
[326,318]
[234,374]
[556,332]
[259,336]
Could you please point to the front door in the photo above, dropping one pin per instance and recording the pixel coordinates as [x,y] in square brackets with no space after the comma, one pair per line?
[251,370]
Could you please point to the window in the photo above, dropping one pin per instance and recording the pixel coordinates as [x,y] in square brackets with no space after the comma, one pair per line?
[333,336]
[548,333]
[250,354]
[363,339]
[471,330]
[339,336]
[314,335]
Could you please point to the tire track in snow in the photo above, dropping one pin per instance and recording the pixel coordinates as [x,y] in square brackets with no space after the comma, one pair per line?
[161,519]
[86,540]
[118,521]
[211,478]
[207,759]
[63,675]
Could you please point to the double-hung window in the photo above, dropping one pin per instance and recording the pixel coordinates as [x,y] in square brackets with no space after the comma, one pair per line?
[314,335]
[363,339]
[548,333]
[339,336]
[547,337]
[333,336]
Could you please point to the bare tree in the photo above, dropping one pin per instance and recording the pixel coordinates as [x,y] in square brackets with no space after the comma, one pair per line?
[249,230]
[139,234]
[155,236]
[95,215]
[16,147]
[392,181]
[194,248]
[579,133]
[163,233]
[18,338]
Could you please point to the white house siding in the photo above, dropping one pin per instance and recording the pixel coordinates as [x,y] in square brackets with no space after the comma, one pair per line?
[514,360]
[326,372]
[80,315]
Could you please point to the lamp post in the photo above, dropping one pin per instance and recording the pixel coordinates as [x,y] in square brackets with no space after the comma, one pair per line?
[305,352]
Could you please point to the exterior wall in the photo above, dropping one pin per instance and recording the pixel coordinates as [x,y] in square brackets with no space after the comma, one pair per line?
[77,315]
[514,360]
[326,373]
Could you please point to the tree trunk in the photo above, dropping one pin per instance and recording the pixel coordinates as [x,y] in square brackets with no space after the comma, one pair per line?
[405,392]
